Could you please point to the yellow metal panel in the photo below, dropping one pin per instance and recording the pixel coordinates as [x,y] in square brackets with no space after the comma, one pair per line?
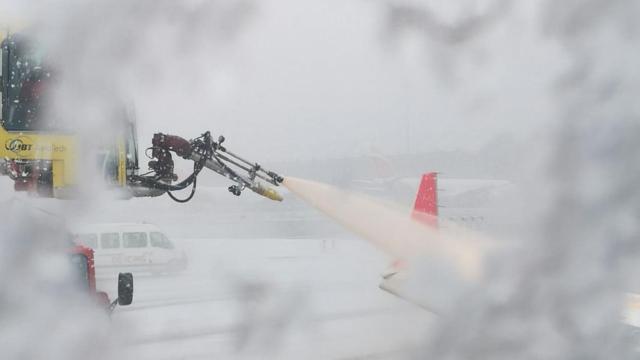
[122,163]
[61,149]
[58,174]
[33,146]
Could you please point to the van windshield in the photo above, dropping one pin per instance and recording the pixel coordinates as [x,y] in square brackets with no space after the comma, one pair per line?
[160,240]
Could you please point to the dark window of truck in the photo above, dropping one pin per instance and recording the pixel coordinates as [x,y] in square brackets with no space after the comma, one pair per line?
[3,74]
[25,82]
[80,270]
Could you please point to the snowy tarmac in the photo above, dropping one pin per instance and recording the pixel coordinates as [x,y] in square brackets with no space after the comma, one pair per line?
[269,298]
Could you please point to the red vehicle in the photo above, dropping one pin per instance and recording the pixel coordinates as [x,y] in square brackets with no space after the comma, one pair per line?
[82,261]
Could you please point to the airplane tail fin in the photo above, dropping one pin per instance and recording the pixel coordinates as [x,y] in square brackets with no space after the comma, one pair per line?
[425,208]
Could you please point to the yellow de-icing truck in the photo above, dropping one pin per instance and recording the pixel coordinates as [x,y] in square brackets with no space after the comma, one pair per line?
[39,153]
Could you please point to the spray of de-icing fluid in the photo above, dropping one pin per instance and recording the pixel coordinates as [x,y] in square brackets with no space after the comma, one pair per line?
[393,231]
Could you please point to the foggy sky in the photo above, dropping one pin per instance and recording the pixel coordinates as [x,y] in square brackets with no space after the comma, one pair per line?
[309,79]
[318,79]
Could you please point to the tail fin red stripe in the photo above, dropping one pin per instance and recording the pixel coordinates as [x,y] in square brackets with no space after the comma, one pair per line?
[425,208]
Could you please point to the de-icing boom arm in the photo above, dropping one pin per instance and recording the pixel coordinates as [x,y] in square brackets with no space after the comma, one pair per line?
[204,152]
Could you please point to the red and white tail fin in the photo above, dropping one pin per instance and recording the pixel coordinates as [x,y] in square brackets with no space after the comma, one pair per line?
[425,208]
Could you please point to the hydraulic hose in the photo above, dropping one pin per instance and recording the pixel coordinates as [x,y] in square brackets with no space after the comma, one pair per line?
[193,192]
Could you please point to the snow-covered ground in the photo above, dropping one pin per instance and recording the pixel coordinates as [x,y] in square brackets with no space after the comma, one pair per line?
[269,298]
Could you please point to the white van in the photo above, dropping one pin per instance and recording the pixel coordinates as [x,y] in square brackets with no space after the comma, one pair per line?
[131,247]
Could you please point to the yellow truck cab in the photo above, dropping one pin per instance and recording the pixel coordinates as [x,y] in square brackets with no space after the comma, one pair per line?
[38,151]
